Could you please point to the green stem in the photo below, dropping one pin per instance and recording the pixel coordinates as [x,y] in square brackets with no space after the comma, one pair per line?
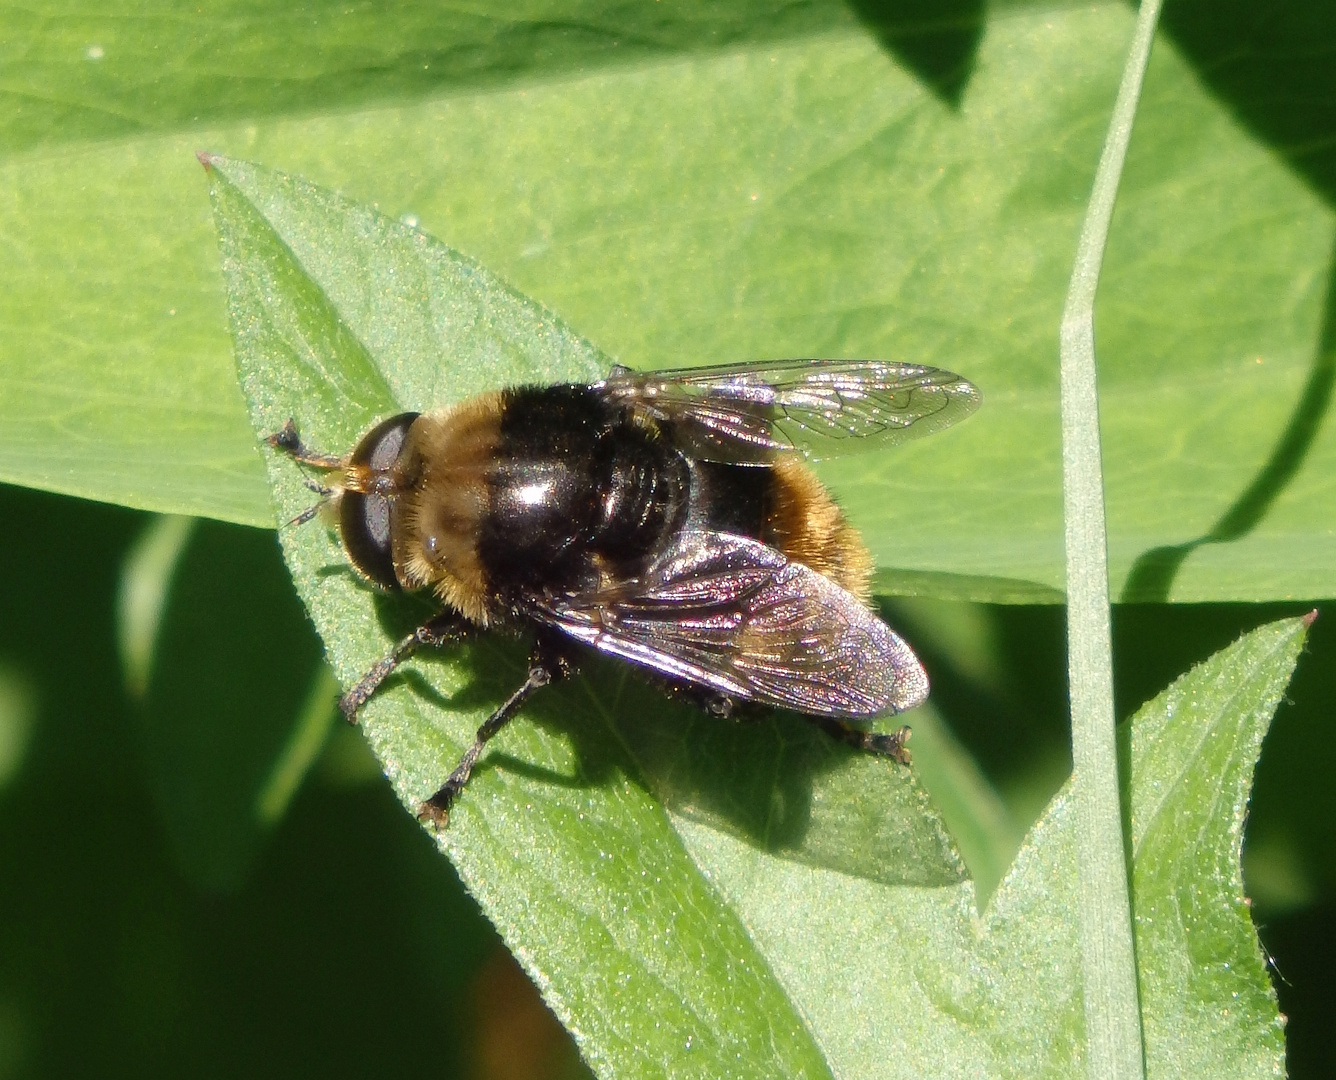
[1108,960]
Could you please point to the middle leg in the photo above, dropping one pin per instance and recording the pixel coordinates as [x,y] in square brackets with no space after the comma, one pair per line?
[549,662]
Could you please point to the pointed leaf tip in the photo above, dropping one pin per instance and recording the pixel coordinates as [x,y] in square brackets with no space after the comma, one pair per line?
[206,159]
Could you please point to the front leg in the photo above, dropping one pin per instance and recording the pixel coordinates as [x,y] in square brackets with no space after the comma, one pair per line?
[443,629]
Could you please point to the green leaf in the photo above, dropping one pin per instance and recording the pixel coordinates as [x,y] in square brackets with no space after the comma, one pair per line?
[339,316]
[722,182]
[951,993]
[237,59]
[18,708]
[1206,1000]
[796,911]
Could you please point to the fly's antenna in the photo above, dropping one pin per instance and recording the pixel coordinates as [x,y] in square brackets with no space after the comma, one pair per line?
[289,442]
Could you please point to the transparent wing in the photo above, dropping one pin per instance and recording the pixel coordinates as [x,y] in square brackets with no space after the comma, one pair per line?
[732,614]
[746,413]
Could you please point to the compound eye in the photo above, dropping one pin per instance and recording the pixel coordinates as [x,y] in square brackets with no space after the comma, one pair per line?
[365,518]
[364,523]
[380,447]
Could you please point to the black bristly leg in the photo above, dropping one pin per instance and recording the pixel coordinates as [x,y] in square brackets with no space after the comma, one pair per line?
[890,745]
[547,664]
[437,809]
[323,490]
[442,629]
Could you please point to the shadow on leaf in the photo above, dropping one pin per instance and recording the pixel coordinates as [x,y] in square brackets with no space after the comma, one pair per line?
[938,40]
[776,781]
[1274,67]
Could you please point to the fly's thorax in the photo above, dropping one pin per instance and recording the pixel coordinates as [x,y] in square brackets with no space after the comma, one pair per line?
[574,493]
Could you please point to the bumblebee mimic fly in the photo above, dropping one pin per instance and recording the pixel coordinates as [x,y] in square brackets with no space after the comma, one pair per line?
[665,518]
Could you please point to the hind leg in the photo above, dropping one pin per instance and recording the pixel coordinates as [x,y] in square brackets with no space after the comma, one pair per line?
[891,745]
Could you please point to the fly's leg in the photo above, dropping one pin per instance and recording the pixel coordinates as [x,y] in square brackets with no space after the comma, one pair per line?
[717,704]
[437,809]
[891,745]
[443,629]
[547,664]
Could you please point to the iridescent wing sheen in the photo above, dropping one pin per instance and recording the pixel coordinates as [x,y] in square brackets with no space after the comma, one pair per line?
[732,614]
[746,413]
